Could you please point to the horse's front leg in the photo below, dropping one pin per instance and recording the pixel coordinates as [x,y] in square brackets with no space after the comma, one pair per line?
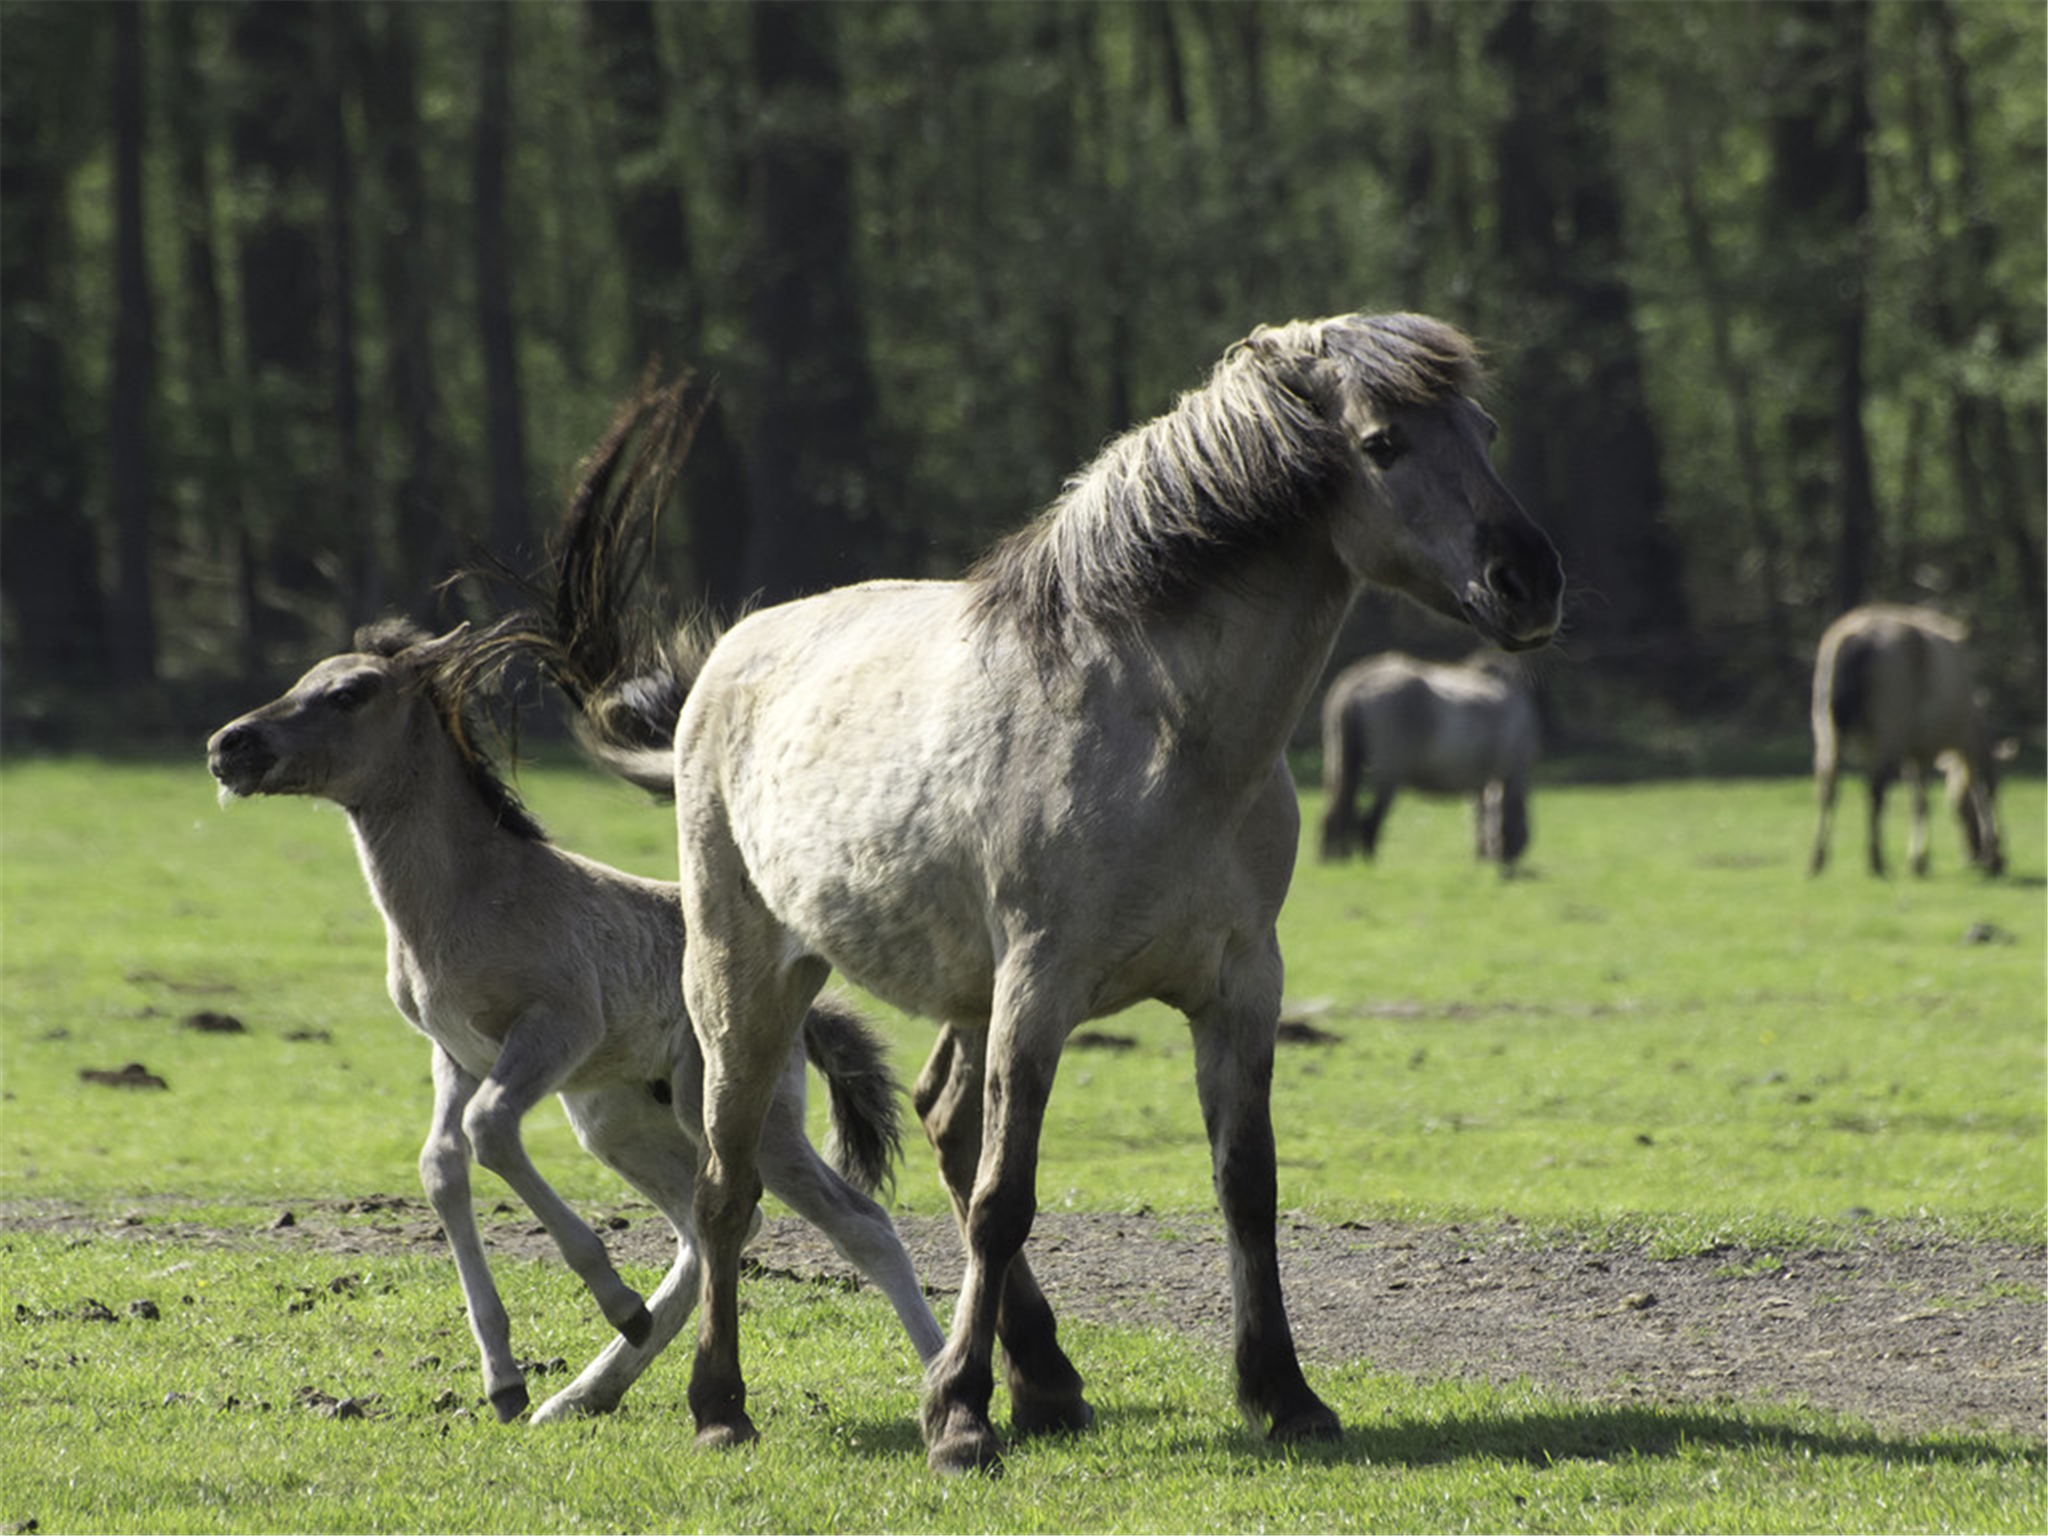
[1045,1389]
[1917,833]
[444,1171]
[1023,1052]
[543,1046]
[1369,829]
[1234,1038]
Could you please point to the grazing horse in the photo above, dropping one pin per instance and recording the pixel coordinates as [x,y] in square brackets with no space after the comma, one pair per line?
[1390,721]
[1895,683]
[535,971]
[1054,788]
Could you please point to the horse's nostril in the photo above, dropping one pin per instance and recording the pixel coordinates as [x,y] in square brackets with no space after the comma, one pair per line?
[1507,583]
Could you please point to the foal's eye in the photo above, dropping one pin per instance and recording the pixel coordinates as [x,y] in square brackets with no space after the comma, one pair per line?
[1383,447]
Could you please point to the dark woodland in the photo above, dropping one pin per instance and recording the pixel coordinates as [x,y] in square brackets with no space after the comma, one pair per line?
[307,304]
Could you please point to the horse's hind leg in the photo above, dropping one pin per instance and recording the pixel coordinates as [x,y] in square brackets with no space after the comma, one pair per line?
[539,1051]
[444,1171]
[1916,832]
[636,1135]
[1234,1038]
[1045,1389]
[1369,830]
[1881,776]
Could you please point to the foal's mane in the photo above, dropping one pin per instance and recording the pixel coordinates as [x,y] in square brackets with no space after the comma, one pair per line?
[1257,451]
[459,675]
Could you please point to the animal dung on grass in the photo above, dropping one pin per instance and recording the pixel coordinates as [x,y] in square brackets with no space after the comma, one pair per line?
[208,1022]
[134,1075]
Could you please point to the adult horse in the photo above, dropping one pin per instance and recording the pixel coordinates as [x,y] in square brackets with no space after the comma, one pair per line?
[1896,683]
[1044,792]
[1391,722]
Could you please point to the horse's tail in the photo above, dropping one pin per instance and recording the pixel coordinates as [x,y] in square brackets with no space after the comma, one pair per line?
[1849,686]
[867,1133]
[626,677]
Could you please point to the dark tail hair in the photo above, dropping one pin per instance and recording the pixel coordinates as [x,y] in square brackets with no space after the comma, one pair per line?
[1849,688]
[867,1134]
[626,677]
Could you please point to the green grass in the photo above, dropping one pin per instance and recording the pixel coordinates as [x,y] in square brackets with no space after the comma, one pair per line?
[1666,1034]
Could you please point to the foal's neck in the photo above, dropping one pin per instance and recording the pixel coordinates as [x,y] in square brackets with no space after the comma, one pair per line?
[427,840]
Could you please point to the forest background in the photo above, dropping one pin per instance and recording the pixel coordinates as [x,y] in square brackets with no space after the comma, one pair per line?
[306,303]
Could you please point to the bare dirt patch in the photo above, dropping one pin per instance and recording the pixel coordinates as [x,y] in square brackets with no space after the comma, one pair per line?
[1902,1327]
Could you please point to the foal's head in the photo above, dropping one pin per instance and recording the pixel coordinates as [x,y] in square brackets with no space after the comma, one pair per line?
[355,729]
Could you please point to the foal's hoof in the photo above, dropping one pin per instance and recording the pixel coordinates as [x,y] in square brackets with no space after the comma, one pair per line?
[968,1450]
[724,1436]
[639,1328]
[509,1402]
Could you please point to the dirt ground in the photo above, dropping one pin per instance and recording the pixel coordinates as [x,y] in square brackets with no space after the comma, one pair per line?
[1907,1330]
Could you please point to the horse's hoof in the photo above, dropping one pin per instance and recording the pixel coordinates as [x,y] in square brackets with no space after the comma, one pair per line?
[1049,1415]
[1314,1424]
[724,1436]
[562,1407]
[969,1450]
[639,1328]
[509,1402]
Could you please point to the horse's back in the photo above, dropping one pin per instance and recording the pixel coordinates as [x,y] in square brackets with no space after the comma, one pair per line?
[1897,680]
[1440,729]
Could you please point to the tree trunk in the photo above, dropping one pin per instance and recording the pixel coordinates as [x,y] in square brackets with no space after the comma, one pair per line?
[57,622]
[664,310]
[510,516]
[819,502]
[426,502]
[130,483]
[1581,447]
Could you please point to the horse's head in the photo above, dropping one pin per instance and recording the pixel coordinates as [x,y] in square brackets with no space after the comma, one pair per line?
[344,729]
[1421,509]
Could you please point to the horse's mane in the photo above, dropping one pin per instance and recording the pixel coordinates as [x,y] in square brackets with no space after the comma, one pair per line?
[460,675]
[1254,453]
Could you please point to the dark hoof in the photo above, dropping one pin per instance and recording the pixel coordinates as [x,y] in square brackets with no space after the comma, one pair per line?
[1049,1416]
[723,1437]
[639,1328]
[971,1450]
[1316,1424]
[509,1402]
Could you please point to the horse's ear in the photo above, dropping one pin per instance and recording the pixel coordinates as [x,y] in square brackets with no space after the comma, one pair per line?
[436,649]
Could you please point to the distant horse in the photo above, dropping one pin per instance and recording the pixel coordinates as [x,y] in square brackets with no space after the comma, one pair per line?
[1896,684]
[1042,793]
[1392,721]
[536,971]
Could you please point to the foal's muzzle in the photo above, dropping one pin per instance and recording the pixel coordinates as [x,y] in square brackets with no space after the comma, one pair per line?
[239,757]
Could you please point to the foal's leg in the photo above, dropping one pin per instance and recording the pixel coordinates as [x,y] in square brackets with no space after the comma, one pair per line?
[631,1132]
[444,1171]
[855,1225]
[1234,1038]
[1045,1389]
[1881,776]
[542,1047]
[1025,1035]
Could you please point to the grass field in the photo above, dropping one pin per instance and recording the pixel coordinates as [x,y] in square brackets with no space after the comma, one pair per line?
[1666,1032]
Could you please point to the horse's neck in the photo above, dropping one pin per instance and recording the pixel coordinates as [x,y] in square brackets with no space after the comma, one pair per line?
[1241,660]
[426,841]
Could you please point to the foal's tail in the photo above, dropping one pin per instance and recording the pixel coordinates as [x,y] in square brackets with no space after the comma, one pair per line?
[626,677]
[867,1135]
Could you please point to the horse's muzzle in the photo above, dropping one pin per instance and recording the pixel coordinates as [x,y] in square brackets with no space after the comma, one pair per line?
[1514,608]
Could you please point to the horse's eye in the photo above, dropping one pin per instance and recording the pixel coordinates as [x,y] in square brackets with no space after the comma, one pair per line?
[349,696]
[1383,447]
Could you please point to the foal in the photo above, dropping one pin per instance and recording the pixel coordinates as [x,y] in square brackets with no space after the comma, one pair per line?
[535,971]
